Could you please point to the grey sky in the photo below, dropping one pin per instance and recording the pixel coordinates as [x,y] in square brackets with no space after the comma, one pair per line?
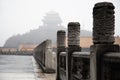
[20,16]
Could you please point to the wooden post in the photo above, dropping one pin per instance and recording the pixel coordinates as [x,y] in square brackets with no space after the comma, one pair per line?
[61,42]
[103,38]
[73,45]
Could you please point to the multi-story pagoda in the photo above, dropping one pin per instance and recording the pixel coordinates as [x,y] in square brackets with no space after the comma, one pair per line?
[52,19]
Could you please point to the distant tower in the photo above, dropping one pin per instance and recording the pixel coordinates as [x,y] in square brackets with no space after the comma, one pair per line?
[53,19]
[52,23]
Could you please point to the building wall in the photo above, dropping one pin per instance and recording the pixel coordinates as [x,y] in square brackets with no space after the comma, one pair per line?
[117,40]
[5,49]
[86,42]
[26,47]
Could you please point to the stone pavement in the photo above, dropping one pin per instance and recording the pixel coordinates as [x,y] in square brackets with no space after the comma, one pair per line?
[16,67]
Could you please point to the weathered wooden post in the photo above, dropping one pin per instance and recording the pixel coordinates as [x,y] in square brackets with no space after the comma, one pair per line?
[73,45]
[61,42]
[103,39]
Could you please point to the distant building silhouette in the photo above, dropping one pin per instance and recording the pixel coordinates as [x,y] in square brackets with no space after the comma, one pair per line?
[52,18]
[51,24]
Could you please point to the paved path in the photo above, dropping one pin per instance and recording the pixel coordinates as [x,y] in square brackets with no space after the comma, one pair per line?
[13,67]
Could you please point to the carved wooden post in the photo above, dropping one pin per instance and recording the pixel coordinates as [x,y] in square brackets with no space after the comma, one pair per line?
[73,45]
[103,23]
[103,39]
[61,41]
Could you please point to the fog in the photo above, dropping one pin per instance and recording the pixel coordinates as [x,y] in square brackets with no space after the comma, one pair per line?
[21,16]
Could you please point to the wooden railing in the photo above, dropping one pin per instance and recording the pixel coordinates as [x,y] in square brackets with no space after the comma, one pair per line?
[103,60]
[80,65]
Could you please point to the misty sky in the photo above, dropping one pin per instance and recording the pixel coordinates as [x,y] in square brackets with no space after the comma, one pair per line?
[20,16]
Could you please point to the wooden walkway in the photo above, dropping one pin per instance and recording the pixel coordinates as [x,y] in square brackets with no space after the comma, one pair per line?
[16,67]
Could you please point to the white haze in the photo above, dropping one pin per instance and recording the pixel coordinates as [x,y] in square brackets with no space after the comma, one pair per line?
[20,16]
